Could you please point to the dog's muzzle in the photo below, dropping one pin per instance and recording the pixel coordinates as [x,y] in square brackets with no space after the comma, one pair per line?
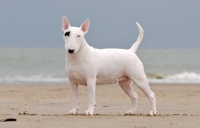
[70,50]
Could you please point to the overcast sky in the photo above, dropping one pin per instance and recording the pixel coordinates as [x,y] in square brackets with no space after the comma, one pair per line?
[37,23]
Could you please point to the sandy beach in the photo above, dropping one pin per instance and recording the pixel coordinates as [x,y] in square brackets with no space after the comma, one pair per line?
[47,106]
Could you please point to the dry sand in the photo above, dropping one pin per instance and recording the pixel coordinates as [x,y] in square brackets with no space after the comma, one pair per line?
[47,106]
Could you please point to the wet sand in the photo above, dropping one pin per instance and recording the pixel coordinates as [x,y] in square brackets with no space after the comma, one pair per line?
[47,106]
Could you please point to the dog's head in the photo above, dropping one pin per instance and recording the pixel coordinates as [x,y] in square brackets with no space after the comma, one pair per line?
[74,36]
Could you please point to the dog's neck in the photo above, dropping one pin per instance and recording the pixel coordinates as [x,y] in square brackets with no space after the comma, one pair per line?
[82,52]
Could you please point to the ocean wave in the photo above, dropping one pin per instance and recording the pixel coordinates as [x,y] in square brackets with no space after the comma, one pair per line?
[180,78]
[184,76]
[35,79]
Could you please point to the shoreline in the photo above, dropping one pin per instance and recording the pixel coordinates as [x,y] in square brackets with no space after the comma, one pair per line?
[151,82]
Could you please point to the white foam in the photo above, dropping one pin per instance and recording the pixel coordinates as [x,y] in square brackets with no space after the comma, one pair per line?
[35,79]
[182,78]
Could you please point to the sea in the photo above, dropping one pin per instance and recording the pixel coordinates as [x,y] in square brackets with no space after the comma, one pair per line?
[47,65]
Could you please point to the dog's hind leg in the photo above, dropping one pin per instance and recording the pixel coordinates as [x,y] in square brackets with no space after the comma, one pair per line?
[140,80]
[74,90]
[127,87]
[144,86]
[138,76]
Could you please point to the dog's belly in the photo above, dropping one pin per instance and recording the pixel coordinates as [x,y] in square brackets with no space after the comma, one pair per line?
[102,81]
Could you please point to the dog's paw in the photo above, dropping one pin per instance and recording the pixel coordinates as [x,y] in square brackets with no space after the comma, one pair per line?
[88,112]
[130,112]
[73,112]
[153,113]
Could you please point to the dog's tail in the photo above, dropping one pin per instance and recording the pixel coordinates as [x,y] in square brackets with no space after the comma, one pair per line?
[139,39]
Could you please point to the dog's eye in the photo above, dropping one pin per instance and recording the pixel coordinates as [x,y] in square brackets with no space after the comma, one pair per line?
[67,33]
[78,36]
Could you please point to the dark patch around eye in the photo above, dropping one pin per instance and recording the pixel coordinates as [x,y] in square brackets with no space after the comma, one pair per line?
[78,36]
[67,33]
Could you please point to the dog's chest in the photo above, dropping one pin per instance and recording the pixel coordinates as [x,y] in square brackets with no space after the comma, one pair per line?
[76,74]
[80,71]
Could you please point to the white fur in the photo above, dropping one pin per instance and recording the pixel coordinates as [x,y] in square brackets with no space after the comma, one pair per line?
[89,66]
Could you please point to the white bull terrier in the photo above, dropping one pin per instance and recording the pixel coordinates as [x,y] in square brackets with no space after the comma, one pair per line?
[88,66]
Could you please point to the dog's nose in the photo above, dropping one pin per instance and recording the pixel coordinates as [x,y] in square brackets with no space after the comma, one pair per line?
[70,50]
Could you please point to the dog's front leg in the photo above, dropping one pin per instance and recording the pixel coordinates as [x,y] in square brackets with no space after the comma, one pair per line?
[74,90]
[91,84]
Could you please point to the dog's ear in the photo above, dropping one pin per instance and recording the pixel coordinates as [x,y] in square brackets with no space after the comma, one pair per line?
[85,26]
[65,23]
